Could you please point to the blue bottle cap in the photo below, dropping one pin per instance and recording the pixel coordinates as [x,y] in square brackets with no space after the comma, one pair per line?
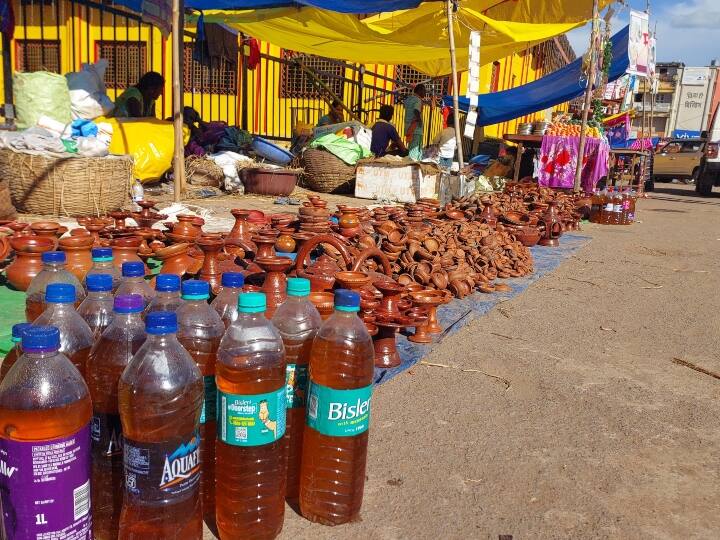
[37,339]
[161,322]
[195,289]
[98,282]
[102,254]
[233,279]
[133,269]
[251,302]
[53,257]
[167,283]
[128,303]
[346,300]
[60,293]
[17,331]
[298,286]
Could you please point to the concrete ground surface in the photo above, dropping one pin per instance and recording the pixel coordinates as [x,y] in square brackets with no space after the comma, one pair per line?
[600,433]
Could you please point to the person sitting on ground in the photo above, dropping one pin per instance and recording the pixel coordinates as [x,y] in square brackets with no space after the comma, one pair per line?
[414,122]
[139,101]
[384,133]
[335,115]
[446,143]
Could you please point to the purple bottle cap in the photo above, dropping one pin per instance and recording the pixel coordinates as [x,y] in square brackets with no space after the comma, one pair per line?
[128,303]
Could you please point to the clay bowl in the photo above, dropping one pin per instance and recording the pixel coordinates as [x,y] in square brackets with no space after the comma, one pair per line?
[324,302]
[352,280]
[31,244]
[48,229]
[311,211]
[527,236]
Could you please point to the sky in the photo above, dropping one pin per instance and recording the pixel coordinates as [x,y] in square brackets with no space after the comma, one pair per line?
[687,31]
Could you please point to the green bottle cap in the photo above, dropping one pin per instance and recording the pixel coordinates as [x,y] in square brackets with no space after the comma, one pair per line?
[298,286]
[251,302]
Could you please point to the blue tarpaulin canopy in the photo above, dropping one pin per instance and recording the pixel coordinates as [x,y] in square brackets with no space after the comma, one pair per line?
[558,87]
[341,6]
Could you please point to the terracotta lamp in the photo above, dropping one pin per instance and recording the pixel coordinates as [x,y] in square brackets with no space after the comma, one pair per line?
[210,270]
[552,225]
[275,282]
[27,263]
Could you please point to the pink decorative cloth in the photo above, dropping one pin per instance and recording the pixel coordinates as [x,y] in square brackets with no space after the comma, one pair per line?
[558,160]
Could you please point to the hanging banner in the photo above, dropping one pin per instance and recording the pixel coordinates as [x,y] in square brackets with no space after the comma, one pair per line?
[639,44]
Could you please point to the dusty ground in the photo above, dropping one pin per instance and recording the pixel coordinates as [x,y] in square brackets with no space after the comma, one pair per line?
[600,434]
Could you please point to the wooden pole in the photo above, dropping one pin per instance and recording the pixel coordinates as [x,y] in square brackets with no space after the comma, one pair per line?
[178,24]
[588,92]
[456,97]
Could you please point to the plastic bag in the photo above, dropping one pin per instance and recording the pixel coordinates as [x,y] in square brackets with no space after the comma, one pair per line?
[149,141]
[349,151]
[88,96]
[41,93]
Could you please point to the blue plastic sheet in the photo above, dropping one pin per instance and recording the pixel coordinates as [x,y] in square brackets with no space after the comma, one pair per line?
[458,313]
[560,86]
[341,6]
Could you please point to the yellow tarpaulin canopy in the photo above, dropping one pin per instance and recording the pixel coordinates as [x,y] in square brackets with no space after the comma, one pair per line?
[416,37]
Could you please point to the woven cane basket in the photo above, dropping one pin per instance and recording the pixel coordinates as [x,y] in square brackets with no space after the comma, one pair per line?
[326,173]
[66,186]
[203,172]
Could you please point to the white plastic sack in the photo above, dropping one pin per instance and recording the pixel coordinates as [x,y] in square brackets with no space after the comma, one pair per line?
[91,147]
[40,93]
[228,161]
[88,96]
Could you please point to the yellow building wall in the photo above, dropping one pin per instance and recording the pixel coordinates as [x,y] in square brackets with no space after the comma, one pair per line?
[80,29]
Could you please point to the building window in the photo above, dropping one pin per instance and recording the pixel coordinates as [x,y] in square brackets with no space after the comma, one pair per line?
[495,77]
[38,55]
[296,83]
[127,62]
[202,78]
[407,78]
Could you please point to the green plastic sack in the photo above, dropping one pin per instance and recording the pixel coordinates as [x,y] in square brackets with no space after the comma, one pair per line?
[41,93]
[349,151]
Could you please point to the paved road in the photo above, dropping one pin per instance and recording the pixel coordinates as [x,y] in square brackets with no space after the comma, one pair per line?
[600,434]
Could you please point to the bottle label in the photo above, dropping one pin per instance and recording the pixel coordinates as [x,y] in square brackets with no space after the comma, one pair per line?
[609,207]
[338,413]
[209,407]
[160,471]
[106,435]
[253,419]
[296,382]
[617,208]
[46,487]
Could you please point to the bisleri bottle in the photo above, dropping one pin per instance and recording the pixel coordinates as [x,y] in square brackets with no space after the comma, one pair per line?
[45,443]
[298,321]
[226,301]
[54,271]
[14,353]
[200,330]
[102,259]
[107,360]
[76,338]
[332,474]
[97,308]
[167,293]
[250,455]
[160,396]
[133,281]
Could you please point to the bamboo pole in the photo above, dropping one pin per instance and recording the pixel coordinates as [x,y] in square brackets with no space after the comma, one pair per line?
[588,93]
[177,101]
[456,97]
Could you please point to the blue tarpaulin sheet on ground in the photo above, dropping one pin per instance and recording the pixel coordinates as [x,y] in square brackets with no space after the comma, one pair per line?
[460,312]
[558,87]
[340,6]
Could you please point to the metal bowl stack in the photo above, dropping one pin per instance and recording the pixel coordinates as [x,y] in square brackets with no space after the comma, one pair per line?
[525,128]
[539,128]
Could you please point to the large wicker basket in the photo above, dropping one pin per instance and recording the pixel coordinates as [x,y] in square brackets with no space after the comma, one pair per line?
[68,186]
[326,173]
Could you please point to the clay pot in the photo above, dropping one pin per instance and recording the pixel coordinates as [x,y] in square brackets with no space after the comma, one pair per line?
[78,254]
[324,302]
[552,225]
[48,229]
[241,229]
[187,226]
[285,244]
[27,263]
[126,249]
[487,215]
[265,245]
[175,260]
[353,281]
[322,273]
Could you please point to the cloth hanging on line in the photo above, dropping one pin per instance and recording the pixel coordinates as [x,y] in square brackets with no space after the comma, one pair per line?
[558,160]
[215,44]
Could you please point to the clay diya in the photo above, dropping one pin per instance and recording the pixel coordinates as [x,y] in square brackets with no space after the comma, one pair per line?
[430,300]
[242,230]
[391,297]
[385,341]
[19,228]
[187,226]
[324,302]
[27,263]
[275,282]
[175,260]
[210,270]
[354,281]
[488,214]
[78,253]
[48,229]
[550,222]
[119,217]
[148,216]
[265,245]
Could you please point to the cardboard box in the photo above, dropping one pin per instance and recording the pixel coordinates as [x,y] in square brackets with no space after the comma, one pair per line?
[403,182]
